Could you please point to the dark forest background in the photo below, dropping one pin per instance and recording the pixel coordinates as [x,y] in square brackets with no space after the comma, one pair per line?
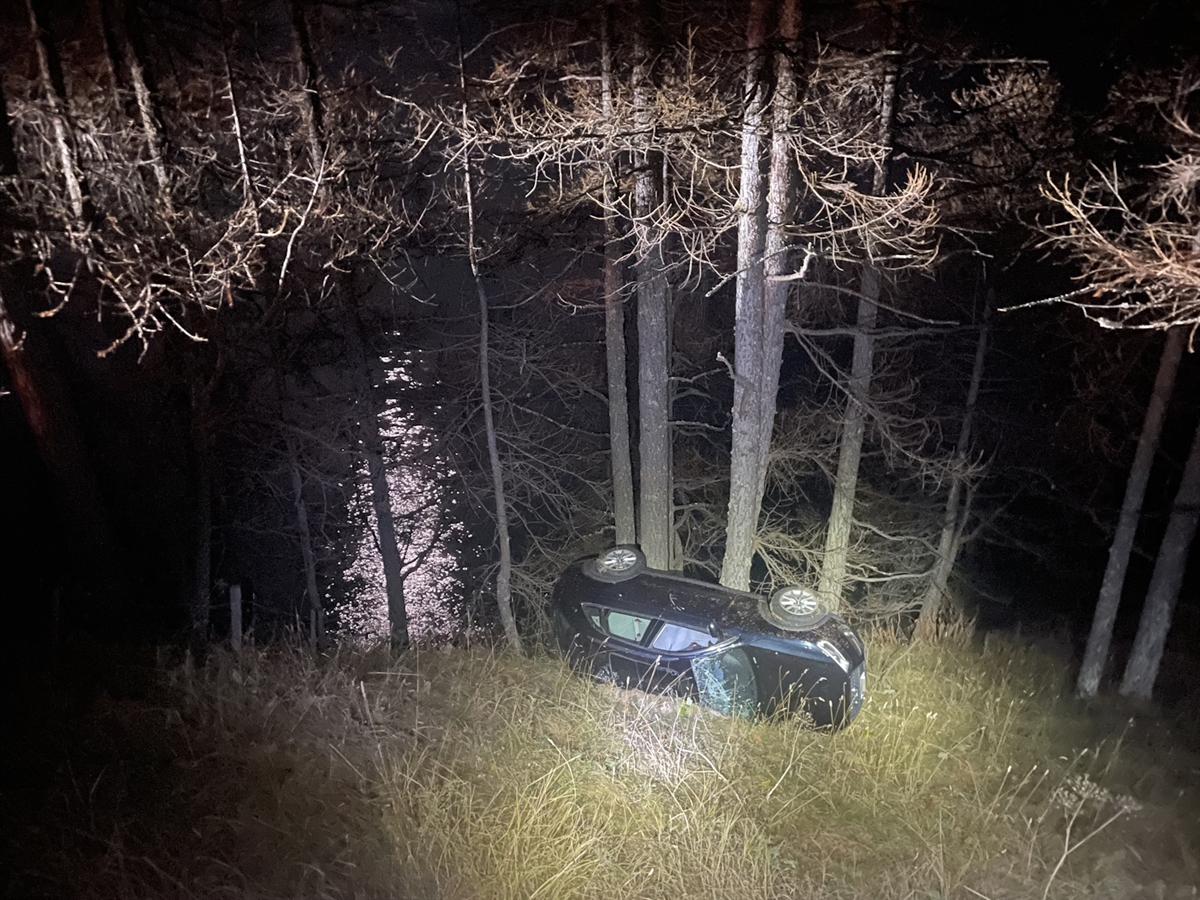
[243,249]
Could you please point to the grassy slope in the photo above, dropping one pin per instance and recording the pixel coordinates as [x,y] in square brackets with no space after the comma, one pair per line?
[455,774]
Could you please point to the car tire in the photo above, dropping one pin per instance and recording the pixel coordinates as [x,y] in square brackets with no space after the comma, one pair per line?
[794,608]
[618,564]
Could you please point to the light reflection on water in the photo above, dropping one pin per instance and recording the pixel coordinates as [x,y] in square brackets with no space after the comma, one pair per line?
[427,528]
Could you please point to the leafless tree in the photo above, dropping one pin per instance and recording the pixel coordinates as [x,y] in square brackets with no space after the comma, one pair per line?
[165,206]
[1136,239]
[624,515]
[1169,568]
[1100,636]
[958,499]
[1136,236]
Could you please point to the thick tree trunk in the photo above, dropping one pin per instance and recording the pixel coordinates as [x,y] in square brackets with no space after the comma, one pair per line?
[949,542]
[614,325]
[841,515]
[1169,567]
[371,440]
[781,193]
[654,368]
[742,515]
[34,371]
[1100,637]
[504,574]
[312,592]
[754,400]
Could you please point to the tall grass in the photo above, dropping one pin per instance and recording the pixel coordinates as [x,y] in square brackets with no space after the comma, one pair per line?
[455,774]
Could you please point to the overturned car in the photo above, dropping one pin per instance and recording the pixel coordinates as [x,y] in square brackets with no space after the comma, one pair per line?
[735,652]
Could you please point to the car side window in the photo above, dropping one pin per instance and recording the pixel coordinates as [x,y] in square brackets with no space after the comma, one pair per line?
[626,626]
[679,639]
[593,614]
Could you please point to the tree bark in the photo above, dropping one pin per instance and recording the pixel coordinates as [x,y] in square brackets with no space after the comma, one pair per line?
[201,593]
[41,389]
[311,591]
[235,617]
[781,194]
[228,37]
[949,542]
[118,27]
[504,573]
[202,562]
[1100,637]
[57,114]
[742,515]
[9,164]
[371,440]
[309,77]
[754,410]
[653,293]
[841,515]
[614,324]
[1169,567]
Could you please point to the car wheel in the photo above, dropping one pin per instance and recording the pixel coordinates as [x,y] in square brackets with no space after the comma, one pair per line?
[618,564]
[794,608]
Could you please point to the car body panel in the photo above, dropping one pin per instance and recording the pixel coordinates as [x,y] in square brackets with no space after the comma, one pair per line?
[664,633]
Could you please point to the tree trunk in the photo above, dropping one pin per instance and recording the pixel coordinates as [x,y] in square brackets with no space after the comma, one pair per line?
[1096,654]
[235,617]
[308,75]
[312,592]
[1169,567]
[34,370]
[55,107]
[949,542]
[654,365]
[9,164]
[97,11]
[228,38]
[504,573]
[202,562]
[118,27]
[781,193]
[762,349]
[371,439]
[841,515]
[614,324]
[201,390]
[742,517]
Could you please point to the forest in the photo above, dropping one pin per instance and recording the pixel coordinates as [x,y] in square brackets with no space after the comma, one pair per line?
[332,331]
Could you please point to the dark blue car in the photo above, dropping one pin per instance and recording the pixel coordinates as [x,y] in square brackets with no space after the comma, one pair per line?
[738,653]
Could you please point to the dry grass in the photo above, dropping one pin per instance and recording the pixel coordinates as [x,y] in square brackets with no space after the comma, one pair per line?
[477,775]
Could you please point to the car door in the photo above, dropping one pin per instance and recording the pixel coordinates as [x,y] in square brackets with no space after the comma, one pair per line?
[625,659]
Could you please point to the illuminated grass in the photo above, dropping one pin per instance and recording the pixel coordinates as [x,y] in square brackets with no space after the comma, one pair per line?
[454,774]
